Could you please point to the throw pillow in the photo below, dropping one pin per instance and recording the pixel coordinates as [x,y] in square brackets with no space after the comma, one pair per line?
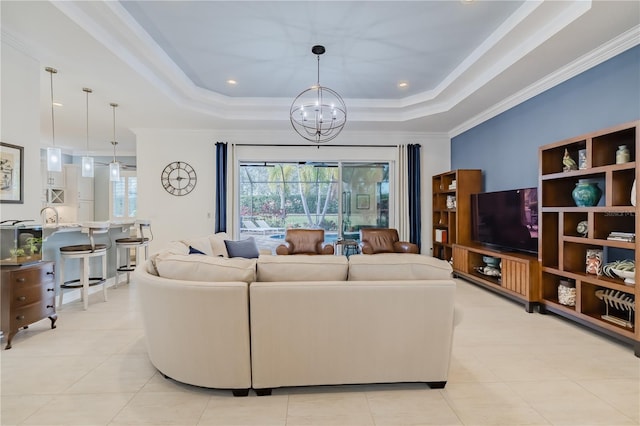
[243,248]
[194,251]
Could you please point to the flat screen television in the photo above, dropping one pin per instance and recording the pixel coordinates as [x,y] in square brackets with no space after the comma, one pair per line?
[506,220]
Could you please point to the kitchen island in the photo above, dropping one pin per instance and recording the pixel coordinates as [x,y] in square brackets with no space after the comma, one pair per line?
[58,235]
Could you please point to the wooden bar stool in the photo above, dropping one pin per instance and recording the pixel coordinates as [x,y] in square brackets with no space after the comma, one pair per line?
[141,240]
[85,252]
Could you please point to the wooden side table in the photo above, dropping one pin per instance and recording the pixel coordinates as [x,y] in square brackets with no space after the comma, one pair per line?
[28,295]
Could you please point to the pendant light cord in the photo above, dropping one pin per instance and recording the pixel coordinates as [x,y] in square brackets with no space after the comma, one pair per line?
[87,91]
[52,71]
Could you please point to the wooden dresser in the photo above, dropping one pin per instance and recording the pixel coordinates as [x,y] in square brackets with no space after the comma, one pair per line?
[28,295]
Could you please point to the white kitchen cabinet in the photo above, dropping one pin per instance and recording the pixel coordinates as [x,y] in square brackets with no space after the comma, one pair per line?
[81,188]
[79,193]
[51,179]
[85,211]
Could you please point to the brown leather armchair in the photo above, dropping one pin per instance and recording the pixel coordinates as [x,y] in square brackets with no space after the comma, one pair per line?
[384,240]
[304,241]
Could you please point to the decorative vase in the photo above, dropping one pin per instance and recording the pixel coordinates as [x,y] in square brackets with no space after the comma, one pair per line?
[633,193]
[567,292]
[594,261]
[586,193]
[622,155]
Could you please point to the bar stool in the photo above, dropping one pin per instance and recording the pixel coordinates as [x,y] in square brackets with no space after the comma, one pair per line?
[85,252]
[141,240]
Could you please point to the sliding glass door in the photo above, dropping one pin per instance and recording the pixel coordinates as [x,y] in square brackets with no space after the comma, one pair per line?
[365,197]
[338,197]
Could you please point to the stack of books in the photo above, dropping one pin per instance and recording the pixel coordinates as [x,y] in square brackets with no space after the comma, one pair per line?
[441,236]
[622,236]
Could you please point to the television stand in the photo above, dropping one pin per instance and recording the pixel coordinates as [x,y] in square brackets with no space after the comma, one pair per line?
[518,278]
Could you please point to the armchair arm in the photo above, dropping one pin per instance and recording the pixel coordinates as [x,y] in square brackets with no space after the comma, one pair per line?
[405,247]
[325,248]
[366,248]
[284,248]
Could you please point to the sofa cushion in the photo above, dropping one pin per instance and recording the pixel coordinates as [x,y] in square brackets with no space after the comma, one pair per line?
[302,268]
[397,266]
[246,248]
[205,268]
[218,246]
[200,243]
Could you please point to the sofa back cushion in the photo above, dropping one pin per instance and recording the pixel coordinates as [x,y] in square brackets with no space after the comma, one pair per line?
[302,268]
[397,266]
[205,268]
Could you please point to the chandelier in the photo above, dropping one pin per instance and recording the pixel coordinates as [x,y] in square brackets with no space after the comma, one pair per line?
[318,114]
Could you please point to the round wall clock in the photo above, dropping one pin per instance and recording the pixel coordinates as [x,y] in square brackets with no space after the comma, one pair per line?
[178,178]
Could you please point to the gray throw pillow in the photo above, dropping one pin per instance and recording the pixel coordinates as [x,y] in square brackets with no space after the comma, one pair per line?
[243,248]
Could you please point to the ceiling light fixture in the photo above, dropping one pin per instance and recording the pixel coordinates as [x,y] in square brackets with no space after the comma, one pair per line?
[87,162]
[54,155]
[318,114]
[114,166]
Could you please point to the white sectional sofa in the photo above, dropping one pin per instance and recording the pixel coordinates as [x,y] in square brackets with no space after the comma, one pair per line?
[276,321]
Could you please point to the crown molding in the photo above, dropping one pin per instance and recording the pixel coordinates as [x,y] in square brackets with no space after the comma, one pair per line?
[623,42]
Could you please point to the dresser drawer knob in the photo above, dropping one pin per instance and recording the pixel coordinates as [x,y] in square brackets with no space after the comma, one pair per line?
[21,280]
[20,317]
[49,306]
[51,289]
[50,273]
[22,298]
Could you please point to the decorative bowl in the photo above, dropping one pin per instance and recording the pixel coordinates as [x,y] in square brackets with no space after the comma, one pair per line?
[629,276]
[491,261]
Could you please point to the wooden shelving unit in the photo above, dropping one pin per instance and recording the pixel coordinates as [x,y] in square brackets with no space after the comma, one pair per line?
[562,250]
[453,225]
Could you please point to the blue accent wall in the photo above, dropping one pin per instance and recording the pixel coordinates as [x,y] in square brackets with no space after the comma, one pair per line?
[506,146]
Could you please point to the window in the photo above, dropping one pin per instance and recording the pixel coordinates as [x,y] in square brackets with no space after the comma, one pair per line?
[338,197]
[123,197]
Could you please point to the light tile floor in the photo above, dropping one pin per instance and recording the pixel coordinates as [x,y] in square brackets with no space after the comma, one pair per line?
[508,368]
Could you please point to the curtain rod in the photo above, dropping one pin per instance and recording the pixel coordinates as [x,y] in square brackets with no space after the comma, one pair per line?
[318,146]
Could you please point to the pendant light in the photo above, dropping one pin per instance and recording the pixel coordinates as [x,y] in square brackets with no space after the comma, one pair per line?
[114,166]
[87,162]
[54,155]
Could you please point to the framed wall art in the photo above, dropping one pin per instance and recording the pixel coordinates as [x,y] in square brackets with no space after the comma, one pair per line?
[11,173]
[362,201]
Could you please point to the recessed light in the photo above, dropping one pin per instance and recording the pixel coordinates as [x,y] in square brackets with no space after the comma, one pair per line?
[403,84]
[232,82]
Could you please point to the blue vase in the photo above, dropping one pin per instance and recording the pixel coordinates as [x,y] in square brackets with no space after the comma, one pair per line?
[586,193]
